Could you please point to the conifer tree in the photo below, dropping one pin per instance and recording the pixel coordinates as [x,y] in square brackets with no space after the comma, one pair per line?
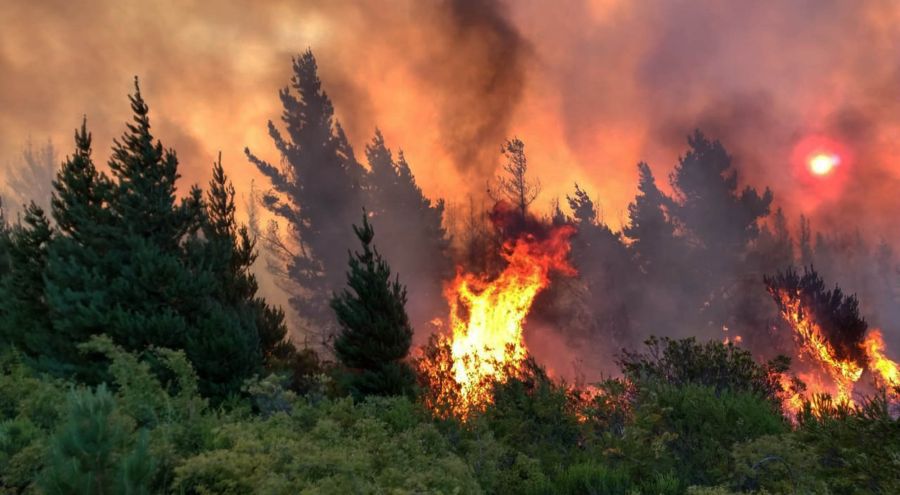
[234,252]
[24,321]
[650,229]
[375,332]
[515,187]
[92,453]
[836,313]
[603,263]
[136,263]
[316,192]
[718,218]
[410,227]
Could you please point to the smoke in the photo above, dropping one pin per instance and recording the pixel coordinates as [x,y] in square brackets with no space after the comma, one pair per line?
[591,86]
[479,80]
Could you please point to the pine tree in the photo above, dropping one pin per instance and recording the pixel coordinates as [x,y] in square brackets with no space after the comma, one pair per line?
[24,322]
[92,453]
[411,228]
[375,332]
[134,262]
[515,187]
[650,228]
[74,279]
[234,252]
[836,314]
[316,193]
[718,218]
[603,265]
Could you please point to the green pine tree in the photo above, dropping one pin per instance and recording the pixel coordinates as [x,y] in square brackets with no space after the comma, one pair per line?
[134,262]
[24,321]
[375,332]
[92,453]
[234,251]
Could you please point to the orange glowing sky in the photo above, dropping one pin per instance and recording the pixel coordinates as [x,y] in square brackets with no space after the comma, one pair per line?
[591,86]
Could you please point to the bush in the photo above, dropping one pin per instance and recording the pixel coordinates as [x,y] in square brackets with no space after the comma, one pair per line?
[93,452]
[381,445]
[689,431]
[711,364]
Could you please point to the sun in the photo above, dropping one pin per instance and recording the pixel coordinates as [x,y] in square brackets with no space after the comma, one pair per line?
[822,164]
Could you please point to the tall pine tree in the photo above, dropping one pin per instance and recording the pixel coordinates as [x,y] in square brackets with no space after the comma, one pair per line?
[233,253]
[410,227]
[316,193]
[375,332]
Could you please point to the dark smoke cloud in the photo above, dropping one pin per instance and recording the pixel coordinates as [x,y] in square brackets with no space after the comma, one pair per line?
[478,74]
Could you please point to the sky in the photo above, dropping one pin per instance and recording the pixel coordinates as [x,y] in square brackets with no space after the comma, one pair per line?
[591,86]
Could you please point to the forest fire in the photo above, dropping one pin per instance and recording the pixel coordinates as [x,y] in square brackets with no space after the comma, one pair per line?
[485,343]
[837,367]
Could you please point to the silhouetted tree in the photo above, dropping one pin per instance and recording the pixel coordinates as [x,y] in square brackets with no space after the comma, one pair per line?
[316,192]
[650,229]
[719,222]
[515,186]
[835,313]
[411,228]
[31,178]
[603,263]
[718,218]
[375,331]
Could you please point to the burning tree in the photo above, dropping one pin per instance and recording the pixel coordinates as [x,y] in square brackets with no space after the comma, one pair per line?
[829,329]
[485,344]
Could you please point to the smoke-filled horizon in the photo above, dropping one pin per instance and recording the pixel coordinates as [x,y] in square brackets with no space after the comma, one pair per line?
[591,87]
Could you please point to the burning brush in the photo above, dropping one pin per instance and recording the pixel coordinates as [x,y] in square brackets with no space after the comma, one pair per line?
[484,344]
[830,333]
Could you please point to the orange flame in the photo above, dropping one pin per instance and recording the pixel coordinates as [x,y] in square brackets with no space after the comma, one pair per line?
[812,342]
[887,371]
[486,318]
[840,375]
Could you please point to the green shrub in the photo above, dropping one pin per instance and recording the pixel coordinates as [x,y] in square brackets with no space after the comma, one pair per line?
[689,431]
[93,451]
[380,445]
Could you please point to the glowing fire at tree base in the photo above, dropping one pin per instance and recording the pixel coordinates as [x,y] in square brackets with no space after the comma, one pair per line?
[836,370]
[485,344]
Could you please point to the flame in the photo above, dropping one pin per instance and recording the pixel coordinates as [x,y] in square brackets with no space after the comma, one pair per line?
[812,342]
[486,317]
[887,371]
[840,375]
